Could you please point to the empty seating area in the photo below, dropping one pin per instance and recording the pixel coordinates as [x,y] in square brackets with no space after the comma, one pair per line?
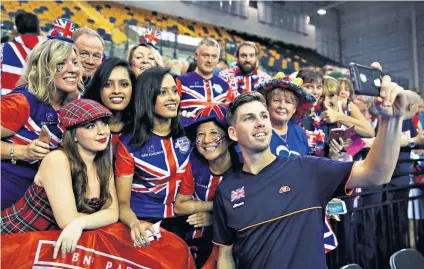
[110,19]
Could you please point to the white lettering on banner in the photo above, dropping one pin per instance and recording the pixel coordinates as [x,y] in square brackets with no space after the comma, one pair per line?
[95,258]
[87,260]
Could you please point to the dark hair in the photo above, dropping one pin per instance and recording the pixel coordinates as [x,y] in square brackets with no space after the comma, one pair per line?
[244,98]
[79,172]
[100,78]
[147,88]
[27,23]
[192,66]
[310,76]
[247,44]
[223,61]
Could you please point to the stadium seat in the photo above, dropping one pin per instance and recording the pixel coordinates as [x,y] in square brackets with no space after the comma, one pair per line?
[8,25]
[351,266]
[407,259]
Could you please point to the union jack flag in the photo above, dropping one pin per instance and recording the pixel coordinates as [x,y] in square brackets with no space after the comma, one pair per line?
[237,194]
[156,179]
[217,111]
[330,239]
[151,36]
[63,28]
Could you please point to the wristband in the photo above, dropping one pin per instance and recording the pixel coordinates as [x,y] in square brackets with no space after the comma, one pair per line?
[12,154]
[412,143]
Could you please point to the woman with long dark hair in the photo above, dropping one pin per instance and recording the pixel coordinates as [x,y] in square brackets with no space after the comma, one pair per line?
[74,188]
[213,157]
[112,86]
[152,155]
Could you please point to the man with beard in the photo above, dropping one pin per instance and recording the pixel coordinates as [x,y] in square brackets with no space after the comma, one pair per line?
[201,88]
[270,214]
[245,76]
[91,47]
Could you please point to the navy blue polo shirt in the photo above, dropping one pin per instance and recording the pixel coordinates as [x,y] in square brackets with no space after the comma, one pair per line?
[275,219]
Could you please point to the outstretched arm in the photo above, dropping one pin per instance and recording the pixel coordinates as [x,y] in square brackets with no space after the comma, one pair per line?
[378,166]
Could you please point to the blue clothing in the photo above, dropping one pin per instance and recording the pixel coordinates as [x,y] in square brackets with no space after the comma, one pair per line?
[293,144]
[24,114]
[197,92]
[275,219]
[157,168]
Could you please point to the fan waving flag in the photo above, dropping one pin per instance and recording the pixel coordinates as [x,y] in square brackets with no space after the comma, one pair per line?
[151,36]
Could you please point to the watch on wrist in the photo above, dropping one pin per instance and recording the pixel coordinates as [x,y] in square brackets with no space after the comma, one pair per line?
[412,143]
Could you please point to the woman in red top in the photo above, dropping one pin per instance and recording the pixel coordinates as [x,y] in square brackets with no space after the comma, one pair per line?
[74,187]
[112,86]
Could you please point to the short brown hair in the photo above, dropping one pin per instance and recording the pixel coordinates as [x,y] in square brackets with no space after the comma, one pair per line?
[86,31]
[247,44]
[286,93]
[240,100]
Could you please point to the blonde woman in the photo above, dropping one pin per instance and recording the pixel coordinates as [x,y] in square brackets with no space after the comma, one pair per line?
[144,56]
[53,73]
[345,114]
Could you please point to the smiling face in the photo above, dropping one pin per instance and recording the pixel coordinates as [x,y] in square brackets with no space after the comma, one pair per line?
[315,88]
[116,94]
[281,105]
[211,141]
[142,59]
[252,127]
[93,136]
[168,100]
[68,74]
[91,53]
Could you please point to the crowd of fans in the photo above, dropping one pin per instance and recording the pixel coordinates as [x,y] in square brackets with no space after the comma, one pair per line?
[174,132]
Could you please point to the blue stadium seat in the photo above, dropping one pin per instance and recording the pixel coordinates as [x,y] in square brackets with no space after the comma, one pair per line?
[112,19]
[101,31]
[90,21]
[107,37]
[8,25]
[77,8]
[98,8]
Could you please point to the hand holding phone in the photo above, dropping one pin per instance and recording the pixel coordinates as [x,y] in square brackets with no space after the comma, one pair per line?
[366,80]
[44,135]
[344,134]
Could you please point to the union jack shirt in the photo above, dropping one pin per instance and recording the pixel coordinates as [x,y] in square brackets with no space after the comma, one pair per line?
[23,114]
[241,83]
[197,93]
[201,185]
[157,168]
[14,55]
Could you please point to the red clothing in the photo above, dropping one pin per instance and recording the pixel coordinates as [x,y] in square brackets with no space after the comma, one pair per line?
[31,213]
[14,55]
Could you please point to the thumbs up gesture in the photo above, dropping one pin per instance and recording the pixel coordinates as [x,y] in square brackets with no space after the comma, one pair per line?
[329,115]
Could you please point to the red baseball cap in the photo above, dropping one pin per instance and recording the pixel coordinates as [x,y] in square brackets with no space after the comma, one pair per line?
[80,111]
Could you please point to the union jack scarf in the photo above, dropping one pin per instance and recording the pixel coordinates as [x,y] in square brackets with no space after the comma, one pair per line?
[240,83]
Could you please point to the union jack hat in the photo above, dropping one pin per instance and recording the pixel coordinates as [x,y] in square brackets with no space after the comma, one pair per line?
[150,37]
[306,100]
[63,30]
[214,113]
[81,111]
